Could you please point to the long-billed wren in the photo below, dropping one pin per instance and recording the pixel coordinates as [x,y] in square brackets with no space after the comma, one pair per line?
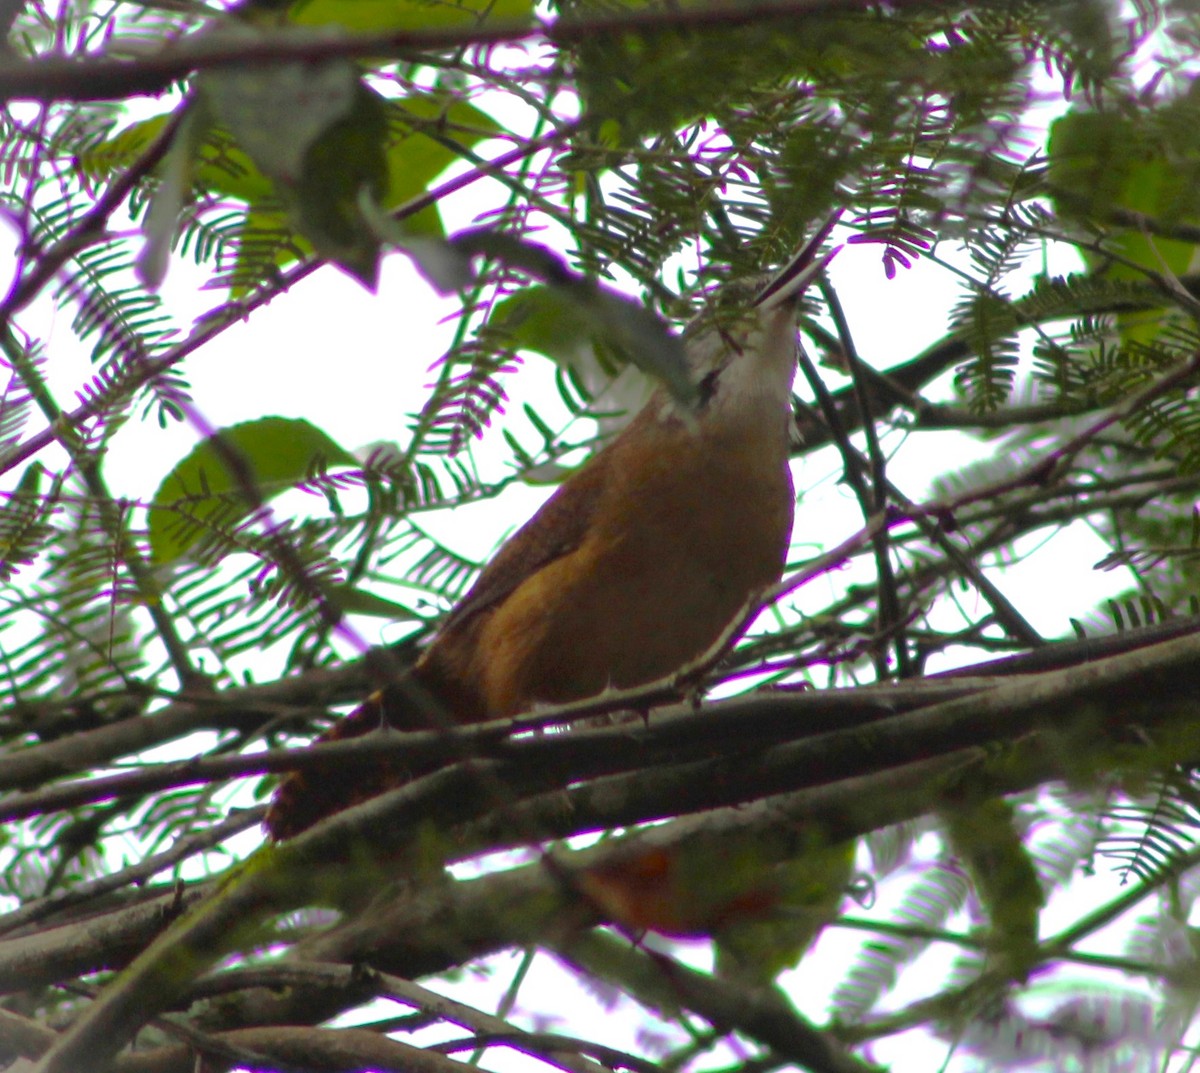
[632,568]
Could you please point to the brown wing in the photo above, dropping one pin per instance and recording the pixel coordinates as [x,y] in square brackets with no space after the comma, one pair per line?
[555,530]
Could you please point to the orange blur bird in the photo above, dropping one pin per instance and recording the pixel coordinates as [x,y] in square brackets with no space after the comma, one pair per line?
[634,567]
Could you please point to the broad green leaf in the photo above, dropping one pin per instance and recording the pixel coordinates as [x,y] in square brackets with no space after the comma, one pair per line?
[342,167]
[1091,156]
[1106,161]
[542,320]
[172,193]
[226,168]
[412,160]
[122,149]
[222,167]
[277,112]
[276,453]
[367,16]
[615,320]
[1101,161]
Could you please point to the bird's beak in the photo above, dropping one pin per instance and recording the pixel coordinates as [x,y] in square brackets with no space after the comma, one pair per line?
[805,265]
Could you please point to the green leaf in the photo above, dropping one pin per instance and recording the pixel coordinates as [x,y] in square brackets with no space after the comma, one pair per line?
[383,15]
[266,243]
[1100,161]
[1105,161]
[640,83]
[318,133]
[23,529]
[278,111]
[221,166]
[105,158]
[342,168]
[543,320]
[423,129]
[393,149]
[275,453]
[617,321]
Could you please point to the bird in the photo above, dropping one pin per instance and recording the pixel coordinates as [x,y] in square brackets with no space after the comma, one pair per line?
[635,566]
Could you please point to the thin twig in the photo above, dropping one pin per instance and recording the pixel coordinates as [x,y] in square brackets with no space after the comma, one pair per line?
[890,615]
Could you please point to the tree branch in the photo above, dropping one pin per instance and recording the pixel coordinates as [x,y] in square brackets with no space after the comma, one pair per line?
[97,79]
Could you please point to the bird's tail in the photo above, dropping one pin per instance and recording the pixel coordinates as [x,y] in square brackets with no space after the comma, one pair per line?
[308,795]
